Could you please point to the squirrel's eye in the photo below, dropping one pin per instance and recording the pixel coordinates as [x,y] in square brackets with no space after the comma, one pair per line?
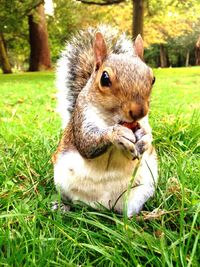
[153,81]
[105,79]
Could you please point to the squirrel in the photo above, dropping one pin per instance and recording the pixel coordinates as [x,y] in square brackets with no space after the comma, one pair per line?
[105,156]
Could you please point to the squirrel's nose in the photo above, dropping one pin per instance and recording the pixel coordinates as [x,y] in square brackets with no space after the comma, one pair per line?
[137,111]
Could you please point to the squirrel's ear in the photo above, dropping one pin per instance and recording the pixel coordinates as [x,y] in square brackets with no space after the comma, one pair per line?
[100,50]
[139,46]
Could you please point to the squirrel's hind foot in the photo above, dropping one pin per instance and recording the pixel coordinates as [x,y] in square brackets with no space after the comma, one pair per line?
[56,205]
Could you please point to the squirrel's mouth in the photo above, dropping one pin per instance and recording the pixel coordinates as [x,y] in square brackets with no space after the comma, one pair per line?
[131,125]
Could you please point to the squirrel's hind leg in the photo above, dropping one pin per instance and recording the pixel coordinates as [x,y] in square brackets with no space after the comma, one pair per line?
[145,183]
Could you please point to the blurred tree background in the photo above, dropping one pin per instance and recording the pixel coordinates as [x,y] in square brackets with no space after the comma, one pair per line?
[33,32]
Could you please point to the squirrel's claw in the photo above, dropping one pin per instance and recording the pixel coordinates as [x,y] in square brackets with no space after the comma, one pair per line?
[133,144]
[124,139]
[143,141]
[55,205]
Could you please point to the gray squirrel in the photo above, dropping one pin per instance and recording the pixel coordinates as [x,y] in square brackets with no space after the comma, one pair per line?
[105,156]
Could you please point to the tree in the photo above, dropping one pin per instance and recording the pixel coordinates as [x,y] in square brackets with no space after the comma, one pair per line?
[169,21]
[163,56]
[14,25]
[6,67]
[138,18]
[4,20]
[197,51]
[101,2]
[38,38]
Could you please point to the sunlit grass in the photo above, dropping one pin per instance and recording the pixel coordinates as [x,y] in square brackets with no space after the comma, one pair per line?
[32,235]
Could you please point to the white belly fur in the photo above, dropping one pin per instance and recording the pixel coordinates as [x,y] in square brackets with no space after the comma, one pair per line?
[103,179]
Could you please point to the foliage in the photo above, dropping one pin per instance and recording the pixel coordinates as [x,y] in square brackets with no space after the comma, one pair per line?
[170,19]
[174,23]
[14,26]
[68,18]
[64,22]
[13,12]
[32,234]
[178,47]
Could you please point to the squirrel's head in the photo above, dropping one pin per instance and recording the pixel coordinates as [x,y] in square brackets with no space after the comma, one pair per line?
[122,82]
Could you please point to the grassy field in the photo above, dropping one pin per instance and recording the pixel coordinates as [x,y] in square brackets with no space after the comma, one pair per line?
[33,235]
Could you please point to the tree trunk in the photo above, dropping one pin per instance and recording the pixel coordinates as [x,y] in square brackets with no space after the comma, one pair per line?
[197,52]
[38,39]
[5,64]
[187,58]
[138,17]
[163,57]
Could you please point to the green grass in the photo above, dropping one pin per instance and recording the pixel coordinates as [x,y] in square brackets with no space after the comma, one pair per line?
[33,235]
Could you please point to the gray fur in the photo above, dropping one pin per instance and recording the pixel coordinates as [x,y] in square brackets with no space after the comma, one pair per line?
[80,48]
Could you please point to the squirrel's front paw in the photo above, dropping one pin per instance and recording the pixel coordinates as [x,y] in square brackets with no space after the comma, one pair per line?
[143,141]
[125,139]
